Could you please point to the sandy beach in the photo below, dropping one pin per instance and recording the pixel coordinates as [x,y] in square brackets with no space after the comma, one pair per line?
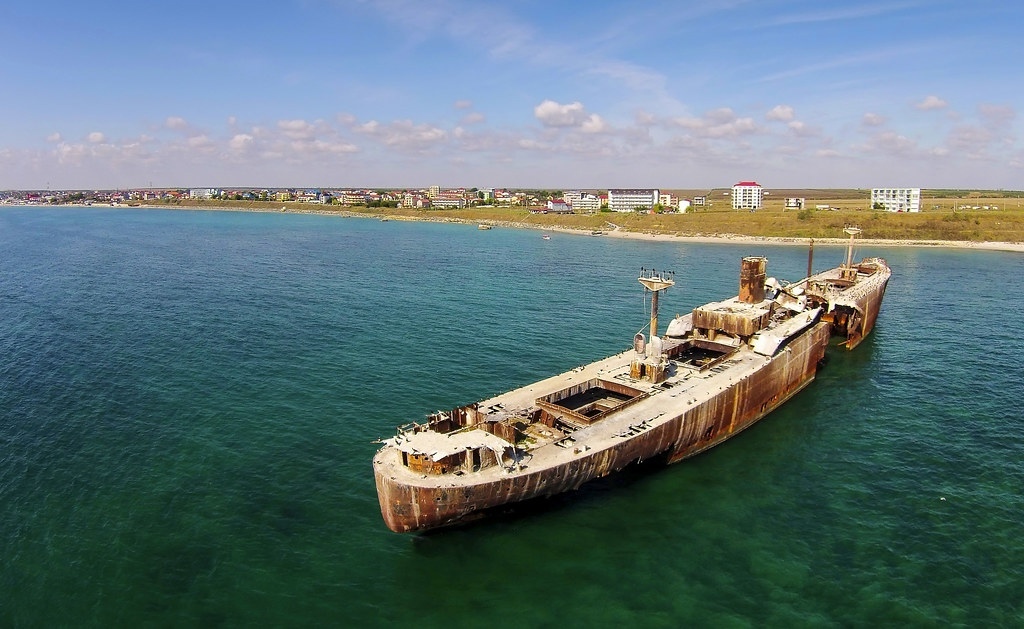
[1017,247]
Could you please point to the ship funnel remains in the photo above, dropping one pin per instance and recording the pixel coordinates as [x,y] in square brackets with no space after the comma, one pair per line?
[752,277]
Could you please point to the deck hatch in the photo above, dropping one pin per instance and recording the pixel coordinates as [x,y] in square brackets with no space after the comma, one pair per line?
[587,402]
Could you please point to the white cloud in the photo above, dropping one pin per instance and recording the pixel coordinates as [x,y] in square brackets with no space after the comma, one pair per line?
[873,120]
[802,129]
[296,129]
[893,143]
[780,113]
[931,102]
[718,123]
[53,137]
[645,118]
[96,137]
[552,114]
[70,153]
[200,143]
[321,146]
[176,122]
[404,134]
[463,104]
[593,124]
[240,142]
[996,116]
[473,117]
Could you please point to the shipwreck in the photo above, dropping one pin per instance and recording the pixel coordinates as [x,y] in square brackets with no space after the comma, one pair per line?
[716,371]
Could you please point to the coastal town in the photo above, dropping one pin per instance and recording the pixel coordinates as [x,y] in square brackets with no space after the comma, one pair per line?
[744,195]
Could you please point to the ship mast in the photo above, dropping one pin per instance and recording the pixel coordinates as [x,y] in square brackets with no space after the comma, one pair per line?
[848,272]
[655,282]
[649,363]
[853,231]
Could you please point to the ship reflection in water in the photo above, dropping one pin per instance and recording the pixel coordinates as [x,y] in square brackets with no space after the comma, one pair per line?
[716,371]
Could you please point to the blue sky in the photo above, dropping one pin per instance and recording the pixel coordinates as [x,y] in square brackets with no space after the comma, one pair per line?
[521,93]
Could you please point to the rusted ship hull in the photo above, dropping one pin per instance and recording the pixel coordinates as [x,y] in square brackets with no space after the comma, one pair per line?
[715,372]
[410,506]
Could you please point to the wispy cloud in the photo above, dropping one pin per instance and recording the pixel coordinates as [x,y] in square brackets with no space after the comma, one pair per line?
[871,57]
[843,13]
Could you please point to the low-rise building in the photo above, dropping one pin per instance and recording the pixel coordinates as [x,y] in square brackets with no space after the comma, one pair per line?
[668,201]
[443,200]
[632,199]
[559,206]
[202,193]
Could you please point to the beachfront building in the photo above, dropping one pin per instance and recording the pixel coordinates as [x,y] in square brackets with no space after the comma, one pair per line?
[582,201]
[896,199]
[447,200]
[559,206]
[668,201]
[747,195]
[632,199]
[202,193]
[587,203]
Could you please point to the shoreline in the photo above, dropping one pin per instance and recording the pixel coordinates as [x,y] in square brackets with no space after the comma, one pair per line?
[1015,247]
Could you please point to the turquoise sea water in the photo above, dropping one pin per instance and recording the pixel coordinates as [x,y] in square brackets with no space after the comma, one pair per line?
[188,403]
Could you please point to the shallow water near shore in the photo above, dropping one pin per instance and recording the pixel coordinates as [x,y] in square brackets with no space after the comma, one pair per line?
[189,400]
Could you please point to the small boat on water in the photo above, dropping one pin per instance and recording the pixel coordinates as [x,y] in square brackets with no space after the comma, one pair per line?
[546,237]
[483,226]
[716,371]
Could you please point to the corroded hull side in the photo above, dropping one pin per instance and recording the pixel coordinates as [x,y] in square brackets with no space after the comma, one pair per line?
[419,503]
[869,304]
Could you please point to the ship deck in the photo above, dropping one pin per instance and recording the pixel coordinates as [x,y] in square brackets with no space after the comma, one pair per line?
[685,387]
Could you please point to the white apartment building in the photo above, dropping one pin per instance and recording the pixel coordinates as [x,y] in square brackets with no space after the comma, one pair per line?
[582,201]
[202,193]
[896,199]
[587,203]
[747,195]
[628,200]
[668,201]
[447,200]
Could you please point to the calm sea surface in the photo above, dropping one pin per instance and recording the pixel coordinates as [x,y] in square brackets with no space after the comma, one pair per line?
[189,400]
